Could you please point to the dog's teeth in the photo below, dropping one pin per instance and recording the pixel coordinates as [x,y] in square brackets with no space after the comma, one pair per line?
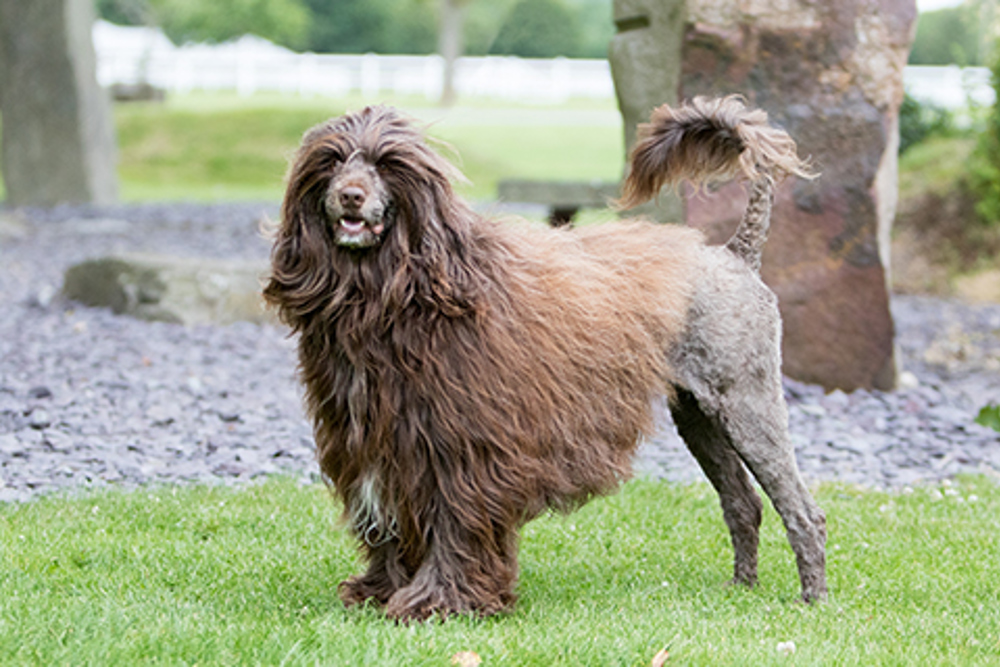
[352,226]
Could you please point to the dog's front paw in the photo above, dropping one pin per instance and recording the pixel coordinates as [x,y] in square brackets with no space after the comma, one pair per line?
[359,589]
[419,603]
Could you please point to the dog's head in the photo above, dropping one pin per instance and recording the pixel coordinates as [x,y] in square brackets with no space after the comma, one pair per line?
[367,199]
[362,175]
[341,170]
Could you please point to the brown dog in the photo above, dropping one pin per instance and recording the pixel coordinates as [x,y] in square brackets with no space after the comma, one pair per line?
[465,375]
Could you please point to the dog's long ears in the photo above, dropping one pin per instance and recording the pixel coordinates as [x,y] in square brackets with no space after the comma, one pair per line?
[705,140]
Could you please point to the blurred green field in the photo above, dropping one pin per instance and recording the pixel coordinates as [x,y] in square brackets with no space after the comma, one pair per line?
[222,147]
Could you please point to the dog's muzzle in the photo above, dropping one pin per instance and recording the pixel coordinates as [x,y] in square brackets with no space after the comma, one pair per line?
[359,228]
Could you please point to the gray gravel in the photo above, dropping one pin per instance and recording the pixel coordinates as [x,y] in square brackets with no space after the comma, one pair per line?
[89,399]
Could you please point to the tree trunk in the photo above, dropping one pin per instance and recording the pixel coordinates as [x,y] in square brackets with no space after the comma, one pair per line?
[450,46]
[58,141]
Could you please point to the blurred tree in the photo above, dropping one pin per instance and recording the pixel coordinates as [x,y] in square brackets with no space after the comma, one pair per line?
[593,23]
[123,12]
[919,121]
[539,29]
[284,22]
[378,26]
[596,26]
[953,35]
[483,19]
[450,43]
[572,28]
[984,165]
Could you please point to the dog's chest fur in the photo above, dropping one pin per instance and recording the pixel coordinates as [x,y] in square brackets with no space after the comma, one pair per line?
[371,520]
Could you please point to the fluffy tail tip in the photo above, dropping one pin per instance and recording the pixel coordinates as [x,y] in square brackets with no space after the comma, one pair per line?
[707,140]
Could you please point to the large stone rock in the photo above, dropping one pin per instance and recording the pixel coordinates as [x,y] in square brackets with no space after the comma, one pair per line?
[58,140]
[185,290]
[645,57]
[830,74]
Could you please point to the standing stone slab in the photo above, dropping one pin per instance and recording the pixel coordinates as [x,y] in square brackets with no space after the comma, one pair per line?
[58,141]
[645,57]
[831,74]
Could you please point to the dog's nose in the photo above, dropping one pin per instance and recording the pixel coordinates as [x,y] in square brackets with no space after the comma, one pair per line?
[352,196]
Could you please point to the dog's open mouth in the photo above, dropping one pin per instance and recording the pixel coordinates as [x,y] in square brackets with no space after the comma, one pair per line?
[358,232]
[352,225]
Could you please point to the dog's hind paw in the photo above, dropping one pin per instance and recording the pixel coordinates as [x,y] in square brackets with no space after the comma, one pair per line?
[743,581]
[814,595]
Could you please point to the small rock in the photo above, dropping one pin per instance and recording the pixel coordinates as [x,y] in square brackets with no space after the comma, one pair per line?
[837,399]
[11,495]
[908,380]
[39,419]
[40,392]
[229,469]
[195,385]
[57,441]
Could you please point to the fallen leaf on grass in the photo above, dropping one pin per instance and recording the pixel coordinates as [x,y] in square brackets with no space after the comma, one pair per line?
[660,658]
[466,659]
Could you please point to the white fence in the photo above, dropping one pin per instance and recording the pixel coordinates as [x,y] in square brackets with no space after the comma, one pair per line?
[251,64]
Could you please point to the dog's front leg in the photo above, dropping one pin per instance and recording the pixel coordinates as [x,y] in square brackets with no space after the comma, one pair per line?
[385,575]
[467,570]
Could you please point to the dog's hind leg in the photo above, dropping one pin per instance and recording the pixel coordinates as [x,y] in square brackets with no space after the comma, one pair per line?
[756,420]
[729,363]
[752,420]
[741,506]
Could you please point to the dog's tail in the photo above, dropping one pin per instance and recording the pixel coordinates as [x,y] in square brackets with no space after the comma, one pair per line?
[708,140]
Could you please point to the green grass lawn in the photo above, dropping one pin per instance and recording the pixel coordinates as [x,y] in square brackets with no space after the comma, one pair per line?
[217,576]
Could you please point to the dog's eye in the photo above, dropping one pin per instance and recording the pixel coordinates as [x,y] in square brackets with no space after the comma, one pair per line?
[383,165]
[335,155]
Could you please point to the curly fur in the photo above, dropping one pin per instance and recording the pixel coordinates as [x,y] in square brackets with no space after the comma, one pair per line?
[464,374]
